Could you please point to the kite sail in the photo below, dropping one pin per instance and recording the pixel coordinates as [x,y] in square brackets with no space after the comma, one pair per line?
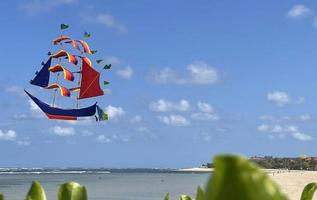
[85,75]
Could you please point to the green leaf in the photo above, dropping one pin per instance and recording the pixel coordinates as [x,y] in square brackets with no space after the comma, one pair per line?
[185,197]
[308,192]
[236,178]
[106,82]
[99,61]
[86,34]
[107,66]
[64,26]
[167,196]
[1,197]
[93,51]
[36,192]
[72,191]
[200,194]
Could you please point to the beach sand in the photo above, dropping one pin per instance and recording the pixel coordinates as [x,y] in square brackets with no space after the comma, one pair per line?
[292,183]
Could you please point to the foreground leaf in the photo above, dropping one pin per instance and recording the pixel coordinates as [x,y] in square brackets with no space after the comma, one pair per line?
[185,197]
[72,191]
[236,178]
[200,194]
[36,192]
[1,197]
[308,192]
[167,196]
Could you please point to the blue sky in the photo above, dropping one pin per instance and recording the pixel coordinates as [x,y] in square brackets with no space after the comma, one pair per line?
[189,80]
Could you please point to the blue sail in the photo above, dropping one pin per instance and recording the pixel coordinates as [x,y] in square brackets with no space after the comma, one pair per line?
[63,114]
[43,76]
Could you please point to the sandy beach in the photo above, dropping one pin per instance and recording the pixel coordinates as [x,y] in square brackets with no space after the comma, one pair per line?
[293,182]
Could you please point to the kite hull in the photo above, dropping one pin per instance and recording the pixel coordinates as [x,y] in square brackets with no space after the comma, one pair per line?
[63,114]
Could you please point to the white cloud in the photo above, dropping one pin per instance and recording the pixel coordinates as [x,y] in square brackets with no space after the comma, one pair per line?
[125,73]
[279,98]
[12,136]
[201,73]
[198,73]
[136,119]
[263,128]
[24,142]
[103,19]
[282,98]
[207,112]
[33,7]
[205,107]
[112,138]
[112,60]
[267,118]
[103,139]
[20,116]
[63,131]
[35,110]
[302,136]
[282,131]
[143,129]
[81,121]
[166,106]
[16,90]
[201,116]
[174,120]
[299,11]
[87,133]
[114,112]
[305,117]
[9,135]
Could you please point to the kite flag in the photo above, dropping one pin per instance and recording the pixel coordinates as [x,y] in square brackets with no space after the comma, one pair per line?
[64,26]
[101,114]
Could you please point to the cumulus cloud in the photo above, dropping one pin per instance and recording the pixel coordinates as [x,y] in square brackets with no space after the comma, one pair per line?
[63,131]
[12,136]
[205,107]
[125,73]
[87,133]
[282,131]
[282,98]
[112,138]
[162,105]
[103,139]
[305,117]
[104,19]
[16,90]
[174,120]
[114,112]
[207,112]
[136,119]
[299,11]
[279,98]
[9,135]
[198,73]
[302,136]
[112,60]
[35,110]
[204,116]
[33,7]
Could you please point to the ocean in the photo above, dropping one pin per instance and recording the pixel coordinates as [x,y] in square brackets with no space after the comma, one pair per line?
[104,184]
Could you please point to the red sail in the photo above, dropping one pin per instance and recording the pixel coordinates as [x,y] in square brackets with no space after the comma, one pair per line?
[90,86]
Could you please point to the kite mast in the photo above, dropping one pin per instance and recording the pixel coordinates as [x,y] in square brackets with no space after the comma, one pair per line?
[59,62]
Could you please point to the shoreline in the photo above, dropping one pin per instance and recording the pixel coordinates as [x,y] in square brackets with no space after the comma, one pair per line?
[292,182]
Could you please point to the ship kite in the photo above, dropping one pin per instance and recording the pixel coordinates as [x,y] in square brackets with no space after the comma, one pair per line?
[81,71]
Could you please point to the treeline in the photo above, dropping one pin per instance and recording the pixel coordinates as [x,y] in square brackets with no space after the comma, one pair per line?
[268,162]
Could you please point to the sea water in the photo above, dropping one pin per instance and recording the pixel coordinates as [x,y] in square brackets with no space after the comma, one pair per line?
[105,185]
